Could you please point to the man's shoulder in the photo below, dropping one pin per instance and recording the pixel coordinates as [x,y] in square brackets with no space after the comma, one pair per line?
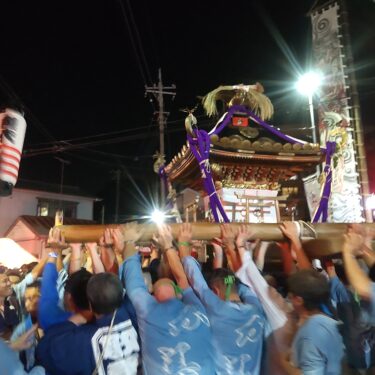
[245,307]
[321,320]
[318,327]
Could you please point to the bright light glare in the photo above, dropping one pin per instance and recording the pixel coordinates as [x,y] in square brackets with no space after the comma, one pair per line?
[158,217]
[309,83]
[370,202]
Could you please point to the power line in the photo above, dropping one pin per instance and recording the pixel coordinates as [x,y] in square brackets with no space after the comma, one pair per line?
[115,132]
[13,96]
[118,156]
[62,147]
[148,75]
[139,55]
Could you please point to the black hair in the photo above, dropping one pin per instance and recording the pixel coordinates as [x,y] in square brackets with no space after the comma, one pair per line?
[217,276]
[105,293]
[341,274]
[76,285]
[13,272]
[310,285]
[35,284]
[371,273]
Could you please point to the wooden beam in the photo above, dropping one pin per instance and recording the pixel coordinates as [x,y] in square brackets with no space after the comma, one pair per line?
[327,241]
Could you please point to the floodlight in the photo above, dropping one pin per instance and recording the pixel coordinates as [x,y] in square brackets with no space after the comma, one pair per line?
[308,83]
[158,217]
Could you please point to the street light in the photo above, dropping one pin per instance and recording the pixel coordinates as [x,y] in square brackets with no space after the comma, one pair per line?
[158,217]
[307,85]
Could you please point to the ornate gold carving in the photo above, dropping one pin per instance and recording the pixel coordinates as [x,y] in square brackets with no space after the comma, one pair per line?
[249,132]
[228,183]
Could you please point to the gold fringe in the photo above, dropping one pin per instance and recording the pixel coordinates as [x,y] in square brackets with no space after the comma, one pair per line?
[250,96]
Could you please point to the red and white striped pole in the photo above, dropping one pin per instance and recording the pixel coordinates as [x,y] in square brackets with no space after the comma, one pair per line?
[12,135]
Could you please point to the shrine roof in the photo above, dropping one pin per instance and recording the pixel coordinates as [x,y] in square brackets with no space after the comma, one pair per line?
[248,157]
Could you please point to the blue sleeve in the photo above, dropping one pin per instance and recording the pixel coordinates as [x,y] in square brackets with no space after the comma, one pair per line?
[198,283]
[131,311]
[248,296]
[11,363]
[49,312]
[18,331]
[20,288]
[135,286]
[338,292]
[190,298]
[22,327]
[310,360]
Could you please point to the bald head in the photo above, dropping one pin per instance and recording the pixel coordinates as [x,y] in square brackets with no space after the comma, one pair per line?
[164,290]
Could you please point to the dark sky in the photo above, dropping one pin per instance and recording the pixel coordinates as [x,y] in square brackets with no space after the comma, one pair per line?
[80,68]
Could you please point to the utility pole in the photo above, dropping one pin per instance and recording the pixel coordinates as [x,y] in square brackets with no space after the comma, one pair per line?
[158,91]
[63,162]
[59,214]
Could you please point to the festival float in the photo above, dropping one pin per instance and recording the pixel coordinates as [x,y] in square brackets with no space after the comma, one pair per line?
[239,168]
[245,170]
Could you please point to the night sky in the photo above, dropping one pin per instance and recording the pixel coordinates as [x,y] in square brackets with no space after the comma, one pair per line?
[80,67]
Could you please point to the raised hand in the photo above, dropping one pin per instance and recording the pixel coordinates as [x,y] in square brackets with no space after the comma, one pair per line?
[353,244]
[164,237]
[185,234]
[369,235]
[290,230]
[107,238]
[244,234]
[228,234]
[132,232]
[25,341]
[118,239]
[56,239]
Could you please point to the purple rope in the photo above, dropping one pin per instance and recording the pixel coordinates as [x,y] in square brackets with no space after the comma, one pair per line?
[322,210]
[163,177]
[239,108]
[200,147]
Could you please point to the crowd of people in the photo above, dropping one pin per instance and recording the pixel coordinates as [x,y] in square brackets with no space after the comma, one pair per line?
[112,308]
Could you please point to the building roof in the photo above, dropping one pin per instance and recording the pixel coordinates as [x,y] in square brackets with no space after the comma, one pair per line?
[40,225]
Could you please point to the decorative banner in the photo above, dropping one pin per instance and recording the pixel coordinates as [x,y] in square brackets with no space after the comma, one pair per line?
[334,116]
[312,192]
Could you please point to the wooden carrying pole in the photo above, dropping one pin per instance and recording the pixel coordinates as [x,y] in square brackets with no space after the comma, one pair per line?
[318,239]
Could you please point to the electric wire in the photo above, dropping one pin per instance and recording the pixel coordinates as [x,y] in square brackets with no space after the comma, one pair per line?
[68,146]
[13,96]
[114,133]
[141,64]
